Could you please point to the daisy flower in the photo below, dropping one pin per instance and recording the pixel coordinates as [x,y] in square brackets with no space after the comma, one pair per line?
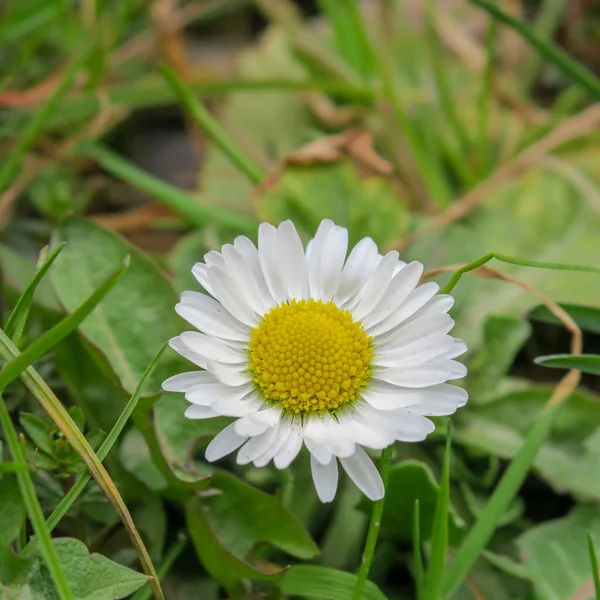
[311,347]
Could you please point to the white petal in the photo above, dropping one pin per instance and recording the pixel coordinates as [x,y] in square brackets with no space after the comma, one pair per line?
[267,254]
[291,261]
[441,400]
[339,436]
[256,446]
[177,344]
[403,283]
[200,272]
[356,271]
[325,478]
[200,412]
[283,434]
[228,294]
[415,353]
[385,396]
[458,349]
[437,370]
[362,471]
[232,406]
[226,442]
[214,259]
[211,348]
[416,330]
[376,286]
[186,381]
[332,261]
[207,393]
[319,451]
[415,300]
[316,247]
[411,427]
[211,317]
[439,304]
[233,375]
[290,449]
[250,254]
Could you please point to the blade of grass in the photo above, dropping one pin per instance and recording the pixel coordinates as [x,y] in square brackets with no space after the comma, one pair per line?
[18,317]
[594,564]
[12,369]
[481,532]
[34,511]
[177,200]
[374,527]
[586,363]
[417,556]
[513,261]
[171,555]
[57,412]
[34,126]
[65,504]
[439,537]
[548,19]
[560,59]
[212,128]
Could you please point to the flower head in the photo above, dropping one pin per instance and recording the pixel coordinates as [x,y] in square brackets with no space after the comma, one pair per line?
[310,347]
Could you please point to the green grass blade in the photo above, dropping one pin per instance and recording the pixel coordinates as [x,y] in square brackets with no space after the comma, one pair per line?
[213,129]
[594,564]
[171,555]
[560,59]
[586,363]
[417,556]
[587,317]
[18,317]
[14,368]
[177,200]
[65,504]
[481,532]
[57,412]
[439,535]
[10,164]
[34,511]
[513,261]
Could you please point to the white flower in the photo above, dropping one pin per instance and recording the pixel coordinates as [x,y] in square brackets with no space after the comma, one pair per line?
[306,347]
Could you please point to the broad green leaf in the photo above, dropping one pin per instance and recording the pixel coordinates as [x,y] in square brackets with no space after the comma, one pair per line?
[556,556]
[587,317]
[132,324]
[409,481]
[568,460]
[90,576]
[38,430]
[12,514]
[587,363]
[226,527]
[503,337]
[323,582]
[177,436]
[307,194]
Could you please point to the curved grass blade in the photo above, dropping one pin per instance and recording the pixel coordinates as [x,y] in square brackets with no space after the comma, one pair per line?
[18,317]
[34,510]
[65,504]
[213,128]
[57,412]
[12,369]
[417,556]
[594,563]
[586,363]
[560,59]
[177,200]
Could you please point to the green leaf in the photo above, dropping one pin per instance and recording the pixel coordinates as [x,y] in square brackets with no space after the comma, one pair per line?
[587,363]
[90,576]
[38,430]
[594,565]
[556,554]
[503,337]
[409,481]
[226,527]
[587,317]
[12,512]
[18,317]
[324,582]
[132,324]
[307,194]
[569,457]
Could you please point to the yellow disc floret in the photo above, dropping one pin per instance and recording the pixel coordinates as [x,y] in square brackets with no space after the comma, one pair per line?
[309,356]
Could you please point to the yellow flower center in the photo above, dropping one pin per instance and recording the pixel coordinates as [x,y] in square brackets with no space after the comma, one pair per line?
[309,356]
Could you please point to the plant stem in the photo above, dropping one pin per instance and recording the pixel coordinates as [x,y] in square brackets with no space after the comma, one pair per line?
[374,526]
